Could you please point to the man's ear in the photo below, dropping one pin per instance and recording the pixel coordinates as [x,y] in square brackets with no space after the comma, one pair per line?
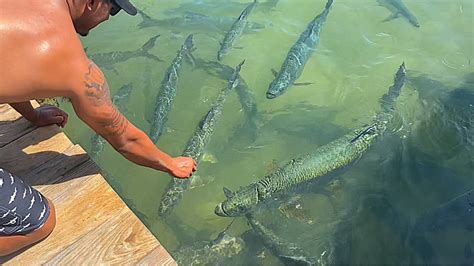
[91,5]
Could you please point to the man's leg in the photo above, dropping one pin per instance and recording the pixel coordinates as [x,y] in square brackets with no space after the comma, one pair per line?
[26,216]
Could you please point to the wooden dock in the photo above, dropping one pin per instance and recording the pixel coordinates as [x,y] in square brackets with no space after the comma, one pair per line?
[94,226]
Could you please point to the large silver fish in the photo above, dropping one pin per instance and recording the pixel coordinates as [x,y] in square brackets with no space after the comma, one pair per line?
[399,9]
[245,94]
[235,31]
[212,252]
[196,22]
[317,166]
[167,93]
[108,60]
[298,55]
[197,144]
[288,253]
[120,100]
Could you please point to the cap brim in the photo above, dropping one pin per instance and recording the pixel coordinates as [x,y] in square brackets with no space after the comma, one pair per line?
[127,7]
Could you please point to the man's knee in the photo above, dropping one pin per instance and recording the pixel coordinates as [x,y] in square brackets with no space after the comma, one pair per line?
[13,243]
[50,223]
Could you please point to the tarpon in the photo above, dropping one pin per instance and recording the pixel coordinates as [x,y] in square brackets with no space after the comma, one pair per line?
[107,60]
[167,93]
[197,144]
[196,22]
[212,252]
[119,99]
[287,252]
[399,9]
[235,31]
[245,94]
[298,55]
[219,6]
[316,166]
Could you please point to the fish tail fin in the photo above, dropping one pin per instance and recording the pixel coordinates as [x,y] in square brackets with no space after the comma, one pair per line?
[189,47]
[150,43]
[147,46]
[145,18]
[329,4]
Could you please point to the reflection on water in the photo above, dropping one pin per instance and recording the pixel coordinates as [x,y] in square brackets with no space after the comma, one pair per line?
[408,200]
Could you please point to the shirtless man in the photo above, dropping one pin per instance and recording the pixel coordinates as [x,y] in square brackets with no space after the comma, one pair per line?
[42,57]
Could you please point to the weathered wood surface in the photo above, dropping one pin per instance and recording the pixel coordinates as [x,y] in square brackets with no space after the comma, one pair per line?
[94,226]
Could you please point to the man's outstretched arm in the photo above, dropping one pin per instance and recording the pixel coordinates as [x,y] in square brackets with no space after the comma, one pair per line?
[91,102]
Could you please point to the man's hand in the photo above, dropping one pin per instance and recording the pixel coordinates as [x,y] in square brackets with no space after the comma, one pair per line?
[182,167]
[48,115]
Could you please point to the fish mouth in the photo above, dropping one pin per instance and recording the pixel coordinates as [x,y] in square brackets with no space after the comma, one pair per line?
[271,95]
[219,211]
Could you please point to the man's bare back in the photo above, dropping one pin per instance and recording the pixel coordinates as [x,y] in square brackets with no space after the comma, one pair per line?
[43,57]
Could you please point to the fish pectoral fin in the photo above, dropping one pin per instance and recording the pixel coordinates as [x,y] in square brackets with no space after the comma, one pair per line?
[302,83]
[227,192]
[209,157]
[190,59]
[274,72]
[198,181]
[391,17]
[293,260]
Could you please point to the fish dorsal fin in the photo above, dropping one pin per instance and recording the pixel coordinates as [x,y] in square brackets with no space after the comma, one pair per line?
[302,83]
[228,193]
[274,72]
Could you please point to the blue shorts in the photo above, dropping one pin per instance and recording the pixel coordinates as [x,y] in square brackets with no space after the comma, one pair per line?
[22,208]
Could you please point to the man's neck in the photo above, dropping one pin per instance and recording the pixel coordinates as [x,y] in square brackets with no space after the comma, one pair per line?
[72,7]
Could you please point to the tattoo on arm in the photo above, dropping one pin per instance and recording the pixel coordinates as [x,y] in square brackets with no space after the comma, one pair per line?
[116,125]
[96,85]
[97,91]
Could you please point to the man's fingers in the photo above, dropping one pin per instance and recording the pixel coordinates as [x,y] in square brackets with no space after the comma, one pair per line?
[65,120]
[57,120]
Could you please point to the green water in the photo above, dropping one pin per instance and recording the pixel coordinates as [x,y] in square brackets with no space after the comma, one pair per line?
[424,160]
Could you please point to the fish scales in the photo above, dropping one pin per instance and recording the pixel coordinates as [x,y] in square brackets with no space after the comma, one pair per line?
[197,144]
[316,166]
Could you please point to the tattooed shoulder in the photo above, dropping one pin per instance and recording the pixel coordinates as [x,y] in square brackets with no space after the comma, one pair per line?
[96,85]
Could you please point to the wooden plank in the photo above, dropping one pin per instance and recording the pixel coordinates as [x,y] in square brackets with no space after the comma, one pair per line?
[160,255]
[12,125]
[78,212]
[52,171]
[120,240]
[87,209]
[70,183]
[34,149]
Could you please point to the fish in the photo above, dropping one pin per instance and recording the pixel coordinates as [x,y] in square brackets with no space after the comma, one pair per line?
[108,60]
[399,9]
[316,167]
[196,146]
[289,253]
[235,31]
[120,100]
[244,93]
[165,98]
[457,213]
[298,55]
[196,22]
[450,113]
[220,7]
[214,252]
[268,5]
